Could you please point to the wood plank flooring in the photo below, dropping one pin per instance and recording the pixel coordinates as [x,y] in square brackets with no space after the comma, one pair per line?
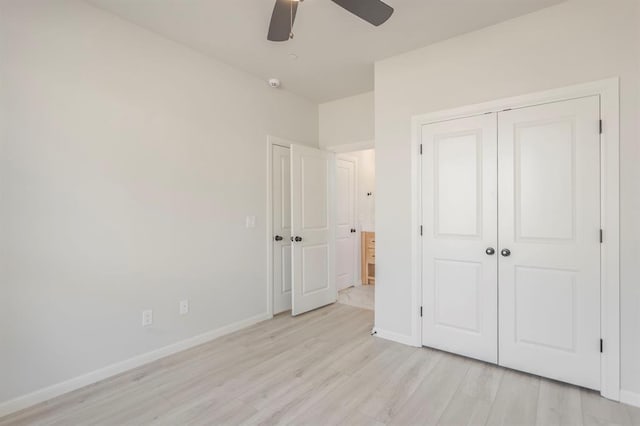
[362,296]
[323,368]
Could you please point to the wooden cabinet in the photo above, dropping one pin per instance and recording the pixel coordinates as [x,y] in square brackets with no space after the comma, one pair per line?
[368,251]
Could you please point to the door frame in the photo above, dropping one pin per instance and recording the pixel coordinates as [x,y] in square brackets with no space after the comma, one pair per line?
[345,149]
[271,142]
[356,218]
[609,93]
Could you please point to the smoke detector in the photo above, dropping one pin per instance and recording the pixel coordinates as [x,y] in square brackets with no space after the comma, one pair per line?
[274,82]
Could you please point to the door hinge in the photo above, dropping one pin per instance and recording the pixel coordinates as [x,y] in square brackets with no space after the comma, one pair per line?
[420,230]
[420,149]
[420,311]
[601,236]
[601,346]
[601,126]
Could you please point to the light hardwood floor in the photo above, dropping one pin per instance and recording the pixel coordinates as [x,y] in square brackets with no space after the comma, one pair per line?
[324,368]
[362,296]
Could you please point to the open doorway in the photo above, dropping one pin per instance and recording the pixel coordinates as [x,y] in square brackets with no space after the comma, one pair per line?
[300,227]
[312,194]
[355,228]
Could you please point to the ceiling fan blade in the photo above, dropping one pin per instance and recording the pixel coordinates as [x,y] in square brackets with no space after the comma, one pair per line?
[374,12]
[284,13]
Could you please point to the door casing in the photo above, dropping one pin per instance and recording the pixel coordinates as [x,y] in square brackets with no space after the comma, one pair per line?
[609,93]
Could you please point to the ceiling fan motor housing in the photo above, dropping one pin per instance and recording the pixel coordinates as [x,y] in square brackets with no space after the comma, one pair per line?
[375,12]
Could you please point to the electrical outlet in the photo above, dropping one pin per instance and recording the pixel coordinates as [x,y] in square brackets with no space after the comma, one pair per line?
[147,318]
[184,307]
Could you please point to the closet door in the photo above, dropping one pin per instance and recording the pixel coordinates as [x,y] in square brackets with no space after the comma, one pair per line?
[312,229]
[549,228]
[281,214]
[459,218]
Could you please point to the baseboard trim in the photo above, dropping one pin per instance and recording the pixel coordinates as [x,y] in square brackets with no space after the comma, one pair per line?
[630,398]
[45,394]
[396,337]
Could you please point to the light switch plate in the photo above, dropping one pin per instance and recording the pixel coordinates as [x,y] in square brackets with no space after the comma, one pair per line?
[147,318]
[250,222]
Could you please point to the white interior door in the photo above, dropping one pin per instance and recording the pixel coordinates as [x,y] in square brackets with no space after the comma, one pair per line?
[281,238]
[549,209]
[346,247]
[459,217]
[313,228]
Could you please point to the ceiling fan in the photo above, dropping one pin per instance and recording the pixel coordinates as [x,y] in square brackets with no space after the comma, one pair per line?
[376,12]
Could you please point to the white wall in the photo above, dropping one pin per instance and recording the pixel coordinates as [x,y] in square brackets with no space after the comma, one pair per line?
[347,120]
[127,166]
[574,42]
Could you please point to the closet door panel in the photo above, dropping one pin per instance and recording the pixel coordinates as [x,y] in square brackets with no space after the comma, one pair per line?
[549,221]
[459,226]
[281,190]
[313,278]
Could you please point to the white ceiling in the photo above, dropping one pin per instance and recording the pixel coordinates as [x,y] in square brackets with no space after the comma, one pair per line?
[335,49]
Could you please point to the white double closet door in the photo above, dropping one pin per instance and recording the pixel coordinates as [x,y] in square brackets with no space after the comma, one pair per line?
[303,241]
[511,240]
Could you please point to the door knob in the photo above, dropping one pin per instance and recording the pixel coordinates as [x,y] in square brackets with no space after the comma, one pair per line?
[298,239]
[506,252]
[278,238]
[490,251]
